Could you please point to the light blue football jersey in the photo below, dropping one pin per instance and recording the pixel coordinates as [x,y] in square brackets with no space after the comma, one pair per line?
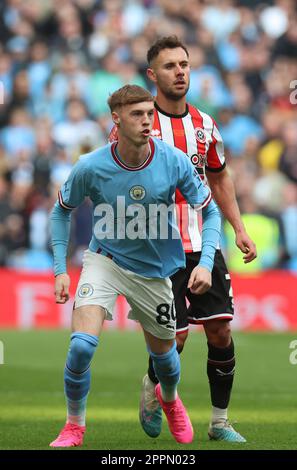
[127,226]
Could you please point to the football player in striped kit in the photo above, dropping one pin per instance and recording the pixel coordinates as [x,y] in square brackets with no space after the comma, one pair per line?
[196,133]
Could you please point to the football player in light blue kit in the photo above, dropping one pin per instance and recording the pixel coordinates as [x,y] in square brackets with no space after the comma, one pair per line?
[134,249]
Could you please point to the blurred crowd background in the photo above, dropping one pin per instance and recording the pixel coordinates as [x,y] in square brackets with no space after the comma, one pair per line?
[60,60]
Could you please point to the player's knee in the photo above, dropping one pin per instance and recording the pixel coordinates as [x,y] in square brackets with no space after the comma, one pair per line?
[180,341]
[218,333]
[81,351]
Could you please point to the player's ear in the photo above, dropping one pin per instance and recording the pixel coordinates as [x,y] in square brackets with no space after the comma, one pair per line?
[151,75]
[116,118]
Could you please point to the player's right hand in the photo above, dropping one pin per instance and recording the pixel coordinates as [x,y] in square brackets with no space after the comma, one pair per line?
[200,280]
[62,284]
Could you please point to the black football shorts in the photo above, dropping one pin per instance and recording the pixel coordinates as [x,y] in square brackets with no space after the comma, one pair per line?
[216,303]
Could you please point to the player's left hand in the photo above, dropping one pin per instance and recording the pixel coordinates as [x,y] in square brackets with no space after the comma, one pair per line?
[247,246]
[200,280]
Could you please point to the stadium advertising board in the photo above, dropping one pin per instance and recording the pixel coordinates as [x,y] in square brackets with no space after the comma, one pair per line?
[262,302]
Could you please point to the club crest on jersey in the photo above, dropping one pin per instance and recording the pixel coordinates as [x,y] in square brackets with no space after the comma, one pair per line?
[198,159]
[86,290]
[156,133]
[200,135]
[137,193]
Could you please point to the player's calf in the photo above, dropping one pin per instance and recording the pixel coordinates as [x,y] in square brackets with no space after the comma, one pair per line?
[77,377]
[220,371]
[150,412]
[180,341]
[167,368]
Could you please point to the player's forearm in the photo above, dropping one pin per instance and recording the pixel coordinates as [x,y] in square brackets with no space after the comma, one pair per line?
[60,231]
[223,192]
[210,235]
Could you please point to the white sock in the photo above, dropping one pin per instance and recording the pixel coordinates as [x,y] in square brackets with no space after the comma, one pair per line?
[76,411]
[219,414]
[168,392]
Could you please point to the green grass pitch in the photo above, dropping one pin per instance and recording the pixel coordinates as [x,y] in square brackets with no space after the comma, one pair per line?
[263,406]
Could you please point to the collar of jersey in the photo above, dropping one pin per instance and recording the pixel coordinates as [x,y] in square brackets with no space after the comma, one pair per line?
[144,164]
[172,115]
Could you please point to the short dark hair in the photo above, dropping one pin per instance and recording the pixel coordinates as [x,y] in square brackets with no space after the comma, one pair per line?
[167,42]
[128,94]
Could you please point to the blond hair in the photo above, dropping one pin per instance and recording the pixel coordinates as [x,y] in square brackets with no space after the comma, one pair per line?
[128,94]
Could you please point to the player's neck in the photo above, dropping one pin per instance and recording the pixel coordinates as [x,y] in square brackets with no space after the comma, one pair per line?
[130,154]
[170,106]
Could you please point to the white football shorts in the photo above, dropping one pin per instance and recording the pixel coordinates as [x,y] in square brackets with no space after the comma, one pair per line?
[150,299]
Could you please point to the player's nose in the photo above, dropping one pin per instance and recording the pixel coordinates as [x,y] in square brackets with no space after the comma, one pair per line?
[179,71]
[146,119]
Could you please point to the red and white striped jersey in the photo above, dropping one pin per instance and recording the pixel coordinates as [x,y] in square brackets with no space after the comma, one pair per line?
[196,134]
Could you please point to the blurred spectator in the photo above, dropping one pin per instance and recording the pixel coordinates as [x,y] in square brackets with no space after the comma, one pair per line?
[237,129]
[274,19]
[19,135]
[109,78]
[265,230]
[6,75]
[39,69]
[221,18]
[207,88]
[77,130]
[71,75]
[289,219]
[286,44]
[21,97]
[13,228]
[272,145]
[288,160]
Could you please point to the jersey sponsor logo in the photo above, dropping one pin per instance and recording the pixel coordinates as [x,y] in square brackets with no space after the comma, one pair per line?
[85,290]
[200,135]
[137,193]
[156,133]
[198,159]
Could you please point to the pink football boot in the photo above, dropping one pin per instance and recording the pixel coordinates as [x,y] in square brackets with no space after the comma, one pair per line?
[178,420]
[71,436]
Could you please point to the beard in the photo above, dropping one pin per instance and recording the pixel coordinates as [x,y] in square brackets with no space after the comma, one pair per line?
[174,95]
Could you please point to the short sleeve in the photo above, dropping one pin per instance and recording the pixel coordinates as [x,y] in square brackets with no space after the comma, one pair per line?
[215,155]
